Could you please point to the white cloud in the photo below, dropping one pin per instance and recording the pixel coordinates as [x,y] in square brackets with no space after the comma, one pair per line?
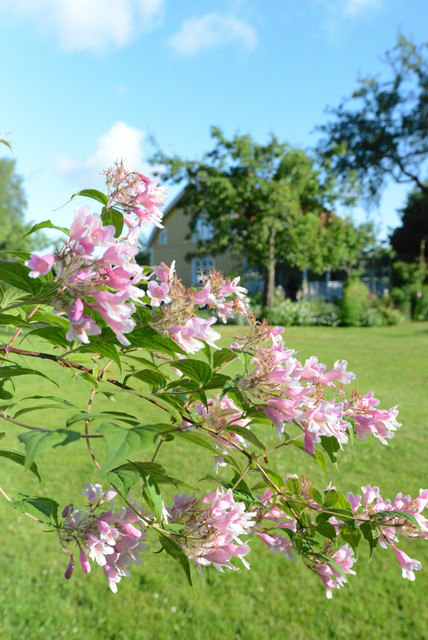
[120,142]
[340,14]
[93,25]
[352,8]
[212,30]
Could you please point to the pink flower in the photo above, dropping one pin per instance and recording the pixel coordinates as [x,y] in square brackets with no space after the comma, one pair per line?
[115,312]
[325,419]
[40,265]
[70,568]
[331,578]
[279,544]
[158,293]
[165,273]
[204,296]
[367,419]
[189,336]
[214,530]
[81,325]
[408,565]
[84,562]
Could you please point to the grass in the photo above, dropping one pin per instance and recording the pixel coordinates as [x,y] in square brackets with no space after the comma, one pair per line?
[277,598]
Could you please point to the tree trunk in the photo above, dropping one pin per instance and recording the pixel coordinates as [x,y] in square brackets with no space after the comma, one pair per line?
[269,273]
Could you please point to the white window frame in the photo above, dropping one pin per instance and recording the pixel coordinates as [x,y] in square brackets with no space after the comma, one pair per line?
[201,264]
[204,230]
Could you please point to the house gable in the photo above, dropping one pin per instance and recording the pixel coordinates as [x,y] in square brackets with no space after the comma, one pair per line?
[175,242]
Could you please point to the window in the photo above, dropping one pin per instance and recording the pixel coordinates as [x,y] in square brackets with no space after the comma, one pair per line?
[204,230]
[162,238]
[201,264]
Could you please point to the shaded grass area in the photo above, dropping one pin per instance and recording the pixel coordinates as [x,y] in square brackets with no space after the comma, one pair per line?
[276,598]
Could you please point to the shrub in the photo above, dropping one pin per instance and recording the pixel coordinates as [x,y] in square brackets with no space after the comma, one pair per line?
[354,304]
[419,304]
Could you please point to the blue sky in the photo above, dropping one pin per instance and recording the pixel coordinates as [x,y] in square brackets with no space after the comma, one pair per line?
[84,82]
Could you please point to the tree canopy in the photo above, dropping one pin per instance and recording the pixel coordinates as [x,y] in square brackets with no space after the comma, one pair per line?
[12,211]
[381,131]
[410,239]
[268,202]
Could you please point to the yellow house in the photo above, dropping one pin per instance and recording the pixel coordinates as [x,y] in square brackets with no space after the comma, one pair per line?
[175,241]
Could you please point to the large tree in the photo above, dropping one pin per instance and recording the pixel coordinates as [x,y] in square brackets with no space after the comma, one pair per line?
[12,211]
[410,239]
[268,202]
[381,131]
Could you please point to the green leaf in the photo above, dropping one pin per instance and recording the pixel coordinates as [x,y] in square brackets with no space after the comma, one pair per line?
[222,357]
[114,218]
[122,443]
[99,196]
[50,318]
[54,335]
[150,377]
[351,535]
[53,398]
[327,530]
[7,390]
[217,381]
[2,435]
[371,534]
[151,493]
[44,509]
[123,479]
[16,274]
[6,318]
[319,457]
[19,458]
[156,471]
[142,316]
[331,498]
[82,416]
[316,495]
[330,446]
[294,486]
[12,371]
[106,350]
[195,369]
[198,439]
[37,407]
[234,394]
[37,441]
[274,476]
[247,435]
[207,351]
[147,338]
[13,296]
[47,224]
[176,552]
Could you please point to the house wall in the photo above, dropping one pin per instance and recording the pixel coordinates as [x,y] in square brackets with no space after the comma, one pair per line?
[177,247]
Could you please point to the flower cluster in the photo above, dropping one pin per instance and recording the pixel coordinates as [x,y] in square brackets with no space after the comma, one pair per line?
[112,539]
[178,305]
[401,517]
[331,577]
[139,199]
[289,391]
[98,272]
[221,414]
[211,528]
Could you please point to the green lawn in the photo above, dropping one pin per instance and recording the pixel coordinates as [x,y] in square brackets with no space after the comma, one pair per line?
[276,599]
